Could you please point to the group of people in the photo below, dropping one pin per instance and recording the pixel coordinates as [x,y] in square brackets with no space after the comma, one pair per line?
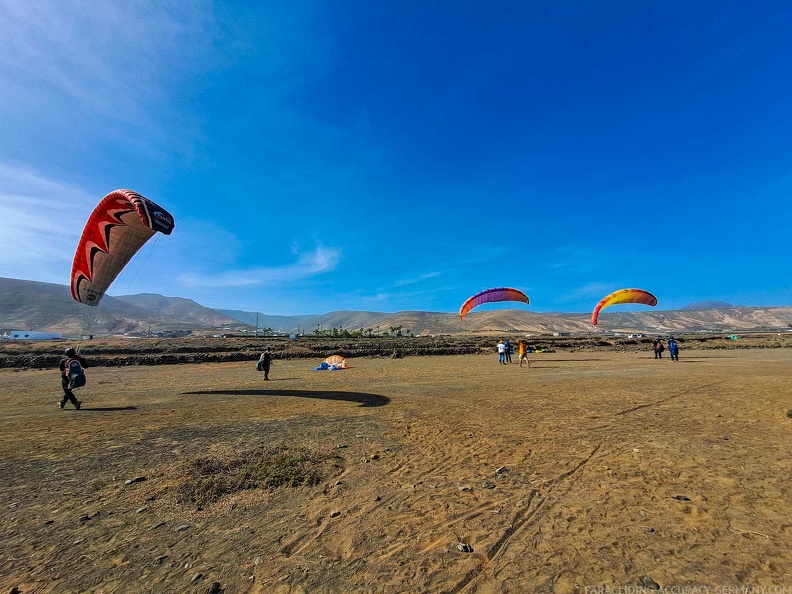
[73,364]
[673,348]
[505,352]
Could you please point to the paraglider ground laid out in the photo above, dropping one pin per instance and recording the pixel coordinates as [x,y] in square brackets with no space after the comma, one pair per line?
[416,474]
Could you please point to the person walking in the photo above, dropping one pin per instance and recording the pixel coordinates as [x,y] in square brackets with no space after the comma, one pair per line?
[673,349]
[71,367]
[501,353]
[265,361]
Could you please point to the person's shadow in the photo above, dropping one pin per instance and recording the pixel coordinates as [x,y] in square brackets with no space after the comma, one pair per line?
[108,408]
[365,399]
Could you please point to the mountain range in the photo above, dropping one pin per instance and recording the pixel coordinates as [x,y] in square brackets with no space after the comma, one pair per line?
[31,305]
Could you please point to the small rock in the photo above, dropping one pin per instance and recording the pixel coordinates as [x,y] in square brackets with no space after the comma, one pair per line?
[648,529]
[341,446]
[681,498]
[160,559]
[257,561]
[196,577]
[48,522]
[335,514]
[182,528]
[140,510]
[215,588]
[648,582]
[374,457]
[464,547]
[488,485]
[78,541]
[85,518]
[15,590]
[12,506]
[378,498]
[465,488]
[501,470]
[137,479]
[157,525]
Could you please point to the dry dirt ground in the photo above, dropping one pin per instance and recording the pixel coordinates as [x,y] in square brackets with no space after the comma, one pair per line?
[448,474]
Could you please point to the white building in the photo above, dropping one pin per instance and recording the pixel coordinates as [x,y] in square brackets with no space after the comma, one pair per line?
[32,335]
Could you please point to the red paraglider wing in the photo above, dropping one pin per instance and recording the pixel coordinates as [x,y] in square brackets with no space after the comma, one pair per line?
[118,227]
[624,296]
[491,296]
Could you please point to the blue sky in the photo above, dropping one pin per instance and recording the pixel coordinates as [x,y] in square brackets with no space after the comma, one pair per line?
[402,155]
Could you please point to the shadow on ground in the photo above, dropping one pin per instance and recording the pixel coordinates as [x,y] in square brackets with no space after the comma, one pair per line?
[362,397]
[108,408]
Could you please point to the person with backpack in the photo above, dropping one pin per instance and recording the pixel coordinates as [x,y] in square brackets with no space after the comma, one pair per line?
[264,363]
[72,368]
[673,349]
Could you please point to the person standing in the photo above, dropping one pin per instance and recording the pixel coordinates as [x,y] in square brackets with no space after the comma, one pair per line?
[673,349]
[522,351]
[507,349]
[501,353]
[70,365]
[265,361]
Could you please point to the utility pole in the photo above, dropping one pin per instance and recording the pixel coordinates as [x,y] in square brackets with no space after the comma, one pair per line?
[256,324]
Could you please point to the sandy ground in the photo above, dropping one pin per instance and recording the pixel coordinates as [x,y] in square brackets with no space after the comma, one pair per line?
[613,468]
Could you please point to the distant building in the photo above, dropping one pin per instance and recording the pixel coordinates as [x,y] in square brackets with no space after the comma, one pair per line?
[32,335]
[560,333]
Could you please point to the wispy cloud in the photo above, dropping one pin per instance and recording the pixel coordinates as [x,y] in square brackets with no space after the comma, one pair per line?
[33,207]
[412,281]
[107,57]
[595,290]
[319,261]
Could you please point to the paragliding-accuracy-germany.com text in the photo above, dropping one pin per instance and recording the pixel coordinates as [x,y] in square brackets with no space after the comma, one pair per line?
[726,589]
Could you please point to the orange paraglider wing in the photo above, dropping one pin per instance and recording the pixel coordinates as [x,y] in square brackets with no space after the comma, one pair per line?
[492,296]
[336,360]
[624,296]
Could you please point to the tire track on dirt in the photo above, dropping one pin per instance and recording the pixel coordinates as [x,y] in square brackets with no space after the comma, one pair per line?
[663,400]
[522,522]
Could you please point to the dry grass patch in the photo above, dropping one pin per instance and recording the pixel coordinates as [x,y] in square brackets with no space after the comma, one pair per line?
[226,471]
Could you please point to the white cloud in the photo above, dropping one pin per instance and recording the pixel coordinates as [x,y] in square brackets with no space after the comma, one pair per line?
[42,223]
[319,261]
[412,281]
[595,290]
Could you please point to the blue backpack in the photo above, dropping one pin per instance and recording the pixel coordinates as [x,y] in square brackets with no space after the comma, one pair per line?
[75,373]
